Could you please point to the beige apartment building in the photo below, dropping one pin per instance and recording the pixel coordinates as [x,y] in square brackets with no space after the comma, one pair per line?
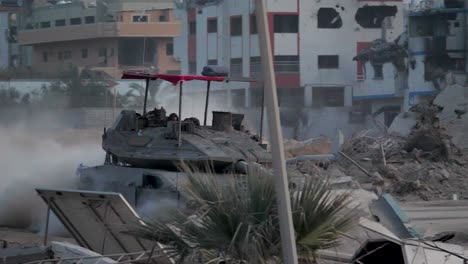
[106,35]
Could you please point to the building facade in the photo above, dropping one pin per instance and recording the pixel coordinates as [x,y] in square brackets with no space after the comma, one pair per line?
[9,49]
[313,42]
[105,35]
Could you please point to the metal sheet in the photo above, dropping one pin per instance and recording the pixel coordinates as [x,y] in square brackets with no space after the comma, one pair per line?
[391,216]
[432,217]
[97,219]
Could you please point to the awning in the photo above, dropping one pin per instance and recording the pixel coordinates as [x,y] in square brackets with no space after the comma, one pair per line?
[174,79]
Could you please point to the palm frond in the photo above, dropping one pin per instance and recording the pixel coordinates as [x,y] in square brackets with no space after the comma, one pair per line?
[236,218]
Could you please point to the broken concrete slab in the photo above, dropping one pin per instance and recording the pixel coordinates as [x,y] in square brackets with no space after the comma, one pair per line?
[454,101]
[404,123]
[389,213]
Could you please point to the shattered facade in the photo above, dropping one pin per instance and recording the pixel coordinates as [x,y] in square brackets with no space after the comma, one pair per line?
[316,76]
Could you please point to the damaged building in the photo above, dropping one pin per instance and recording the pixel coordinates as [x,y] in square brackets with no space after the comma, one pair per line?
[316,77]
[110,36]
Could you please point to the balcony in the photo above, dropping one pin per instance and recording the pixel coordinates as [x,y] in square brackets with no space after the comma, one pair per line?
[98,30]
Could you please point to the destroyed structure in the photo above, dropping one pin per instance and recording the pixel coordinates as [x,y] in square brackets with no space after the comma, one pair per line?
[408,181]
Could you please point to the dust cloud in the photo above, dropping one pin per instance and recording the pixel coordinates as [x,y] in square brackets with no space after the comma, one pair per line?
[39,152]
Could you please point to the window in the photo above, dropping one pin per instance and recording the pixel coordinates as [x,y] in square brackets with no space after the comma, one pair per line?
[102,52]
[328,61]
[378,71]
[373,16]
[169,49]
[192,28]
[327,96]
[163,18]
[75,21]
[60,22]
[253,25]
[45,24]
[84,53]
[212,62]
[45,56]
[192,67]
[329,18]
[67,55]
[287,64]
[212,25]
[236,67]
[255,65]
[60,55]
[89,19]
[236,26]
[140,18]
[173,72]
[286,23]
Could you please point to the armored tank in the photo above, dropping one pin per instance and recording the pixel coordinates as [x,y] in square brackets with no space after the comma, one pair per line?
[144,151]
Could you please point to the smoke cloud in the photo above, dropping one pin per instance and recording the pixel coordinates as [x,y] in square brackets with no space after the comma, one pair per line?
[39,153]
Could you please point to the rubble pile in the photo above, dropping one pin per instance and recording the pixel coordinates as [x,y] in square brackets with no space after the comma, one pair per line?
[423,165]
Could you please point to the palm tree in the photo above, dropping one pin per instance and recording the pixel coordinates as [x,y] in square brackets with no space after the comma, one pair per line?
[237,219]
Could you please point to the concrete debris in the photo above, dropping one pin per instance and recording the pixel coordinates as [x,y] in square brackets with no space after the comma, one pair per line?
[315,146]
[421,161]
[403,124]
[381,52]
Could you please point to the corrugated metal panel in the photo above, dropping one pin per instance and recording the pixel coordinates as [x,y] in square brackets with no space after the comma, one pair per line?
[430,218]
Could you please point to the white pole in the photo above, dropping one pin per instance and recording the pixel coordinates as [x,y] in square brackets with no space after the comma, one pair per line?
[288,240]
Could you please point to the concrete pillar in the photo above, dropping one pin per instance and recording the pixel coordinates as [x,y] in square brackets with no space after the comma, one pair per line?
[308,96]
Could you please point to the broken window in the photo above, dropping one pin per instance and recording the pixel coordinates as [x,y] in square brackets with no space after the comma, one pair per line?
[212,25]
[236,26]
[328,61]
[253,25]
[75,21]
[373,16]
[286,24]
[140,18]
[60,22]
[89,19]
[328,96]
[329,18]
[378,71]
